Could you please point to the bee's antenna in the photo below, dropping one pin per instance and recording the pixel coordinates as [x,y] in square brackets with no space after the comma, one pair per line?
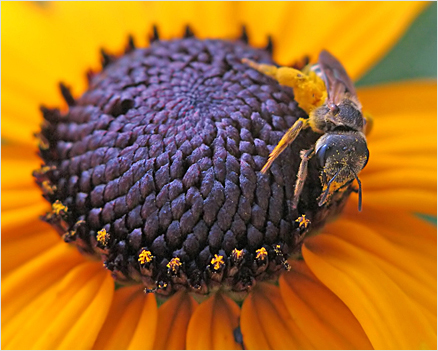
[360,189]
[324,196]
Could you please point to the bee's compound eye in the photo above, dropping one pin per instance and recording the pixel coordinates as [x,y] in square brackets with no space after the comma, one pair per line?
[367,157]
[334,108]
[321,154]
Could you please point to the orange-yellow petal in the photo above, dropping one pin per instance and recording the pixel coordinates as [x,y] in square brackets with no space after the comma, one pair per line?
[147,322]
[402,162]
[401,229]
[25,229]
[173,320]
[79,330]
[321,316]
[387,99]
[69,313]
[396,178]
[358,33]
[13,219]
[129,306]
[417,279]
[207,19]
[14,199]
[16,132]
[16,170]
[16,252]
[376,295]
[36,272]
[213,323]
[266,323]
[419,201]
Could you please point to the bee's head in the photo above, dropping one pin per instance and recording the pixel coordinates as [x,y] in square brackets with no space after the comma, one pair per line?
[341,155]
[348,112]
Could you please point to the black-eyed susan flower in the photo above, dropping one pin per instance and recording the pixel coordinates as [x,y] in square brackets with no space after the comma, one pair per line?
[153,170]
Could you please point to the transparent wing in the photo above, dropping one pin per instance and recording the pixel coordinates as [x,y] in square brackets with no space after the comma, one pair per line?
[336,79]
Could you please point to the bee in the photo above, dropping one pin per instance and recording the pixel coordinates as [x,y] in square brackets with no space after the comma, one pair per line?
[336,113]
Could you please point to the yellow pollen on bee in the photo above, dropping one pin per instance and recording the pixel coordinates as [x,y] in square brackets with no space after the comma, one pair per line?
[303,221]
[217,261]
[145,257]
[309,89]
[58,208]
[237,254]
[261,253]
[103,237]
[174,264]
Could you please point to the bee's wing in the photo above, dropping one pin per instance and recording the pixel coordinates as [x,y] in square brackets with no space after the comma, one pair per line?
[336,79]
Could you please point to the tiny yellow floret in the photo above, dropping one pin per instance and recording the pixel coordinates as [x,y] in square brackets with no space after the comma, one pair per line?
[217,261]
[48,188]
[237,254]
[303,221]
[145,257]
[58,208]
[261,253]
[43,143]
[103,237]
[45,169]
[174,265]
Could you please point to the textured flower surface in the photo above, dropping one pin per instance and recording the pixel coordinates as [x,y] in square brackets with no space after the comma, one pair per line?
[366,280]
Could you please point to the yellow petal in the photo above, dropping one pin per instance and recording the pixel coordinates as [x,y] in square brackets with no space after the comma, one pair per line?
[79,332]
[390,318]
[173,320]
[213,323]
[266,323]
[396,227]
[26,229]
[18,132]
[129,305]
[397,178]
[16,170]
[321,316]
[14,199]
[34,66]
[402,162]
[36,273]
[387,99]
[13,219]
[16,252]
[418,280]
[207,19]
[142,340]
[395,124]
[358,33]
[63,319]
[402,145]
[419,201]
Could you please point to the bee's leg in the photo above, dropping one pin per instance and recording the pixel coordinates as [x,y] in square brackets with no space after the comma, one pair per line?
[287,138]
[269,70]
[306,155]
[369,122]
